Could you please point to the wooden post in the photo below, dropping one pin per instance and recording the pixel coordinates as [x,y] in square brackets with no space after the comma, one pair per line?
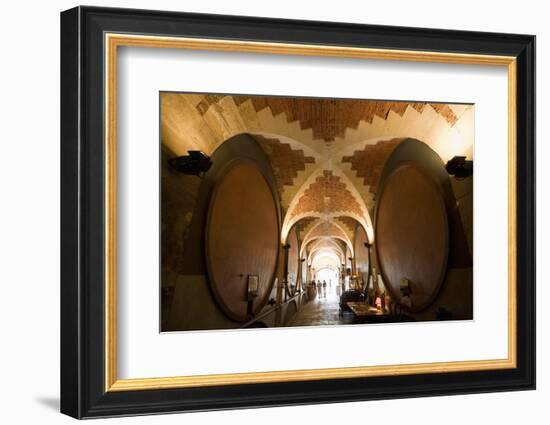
[369,274]
[280,286]
[285,271]
[301,284]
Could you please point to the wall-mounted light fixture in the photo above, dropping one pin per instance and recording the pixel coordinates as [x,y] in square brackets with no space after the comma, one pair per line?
[460,167]
[196,163]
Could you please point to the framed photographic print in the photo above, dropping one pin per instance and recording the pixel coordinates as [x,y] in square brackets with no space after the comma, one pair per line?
[301,191]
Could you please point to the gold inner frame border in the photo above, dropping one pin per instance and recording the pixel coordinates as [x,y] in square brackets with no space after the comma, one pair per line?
[111,43]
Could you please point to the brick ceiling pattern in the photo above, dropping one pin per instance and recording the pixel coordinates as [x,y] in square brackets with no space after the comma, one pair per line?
[327,194]
[292,123]
[209,100]
[349,222]
[329,118]
[303,225]
[327,244]
[326,229]
[369,162]
[285,161]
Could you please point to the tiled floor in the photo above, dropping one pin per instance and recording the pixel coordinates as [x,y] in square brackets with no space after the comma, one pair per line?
[322,311]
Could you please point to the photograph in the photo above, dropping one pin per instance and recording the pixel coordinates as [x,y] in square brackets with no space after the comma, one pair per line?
[274,211]
[269,213]
[286,211]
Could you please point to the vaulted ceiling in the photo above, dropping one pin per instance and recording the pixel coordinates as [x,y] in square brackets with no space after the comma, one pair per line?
[326,154]
[328,118]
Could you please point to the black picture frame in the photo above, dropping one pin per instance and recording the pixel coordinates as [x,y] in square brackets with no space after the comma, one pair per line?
[83,392]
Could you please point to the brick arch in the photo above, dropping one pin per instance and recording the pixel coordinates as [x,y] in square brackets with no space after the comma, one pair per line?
[317,252]
[347,113]
[348,223]
[327,192]
[326,242]
[368,162]
[287,158]
[325,229]
[304,225]
[334,257]
[333,238]
[302,144]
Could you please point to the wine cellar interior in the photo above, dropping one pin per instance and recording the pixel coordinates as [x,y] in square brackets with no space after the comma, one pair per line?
[291,211]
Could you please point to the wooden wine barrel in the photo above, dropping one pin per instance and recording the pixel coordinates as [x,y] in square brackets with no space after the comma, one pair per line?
[241,238]
[412,232]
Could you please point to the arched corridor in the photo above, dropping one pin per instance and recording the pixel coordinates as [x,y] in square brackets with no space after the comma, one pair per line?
[289,211]
[323,311]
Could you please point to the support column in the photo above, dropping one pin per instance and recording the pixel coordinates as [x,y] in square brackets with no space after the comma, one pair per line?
[285,270]
[280,285]
[343,277]
[301,283]
[369,272]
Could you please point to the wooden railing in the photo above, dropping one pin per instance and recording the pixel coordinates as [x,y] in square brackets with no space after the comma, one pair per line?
[268,312]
